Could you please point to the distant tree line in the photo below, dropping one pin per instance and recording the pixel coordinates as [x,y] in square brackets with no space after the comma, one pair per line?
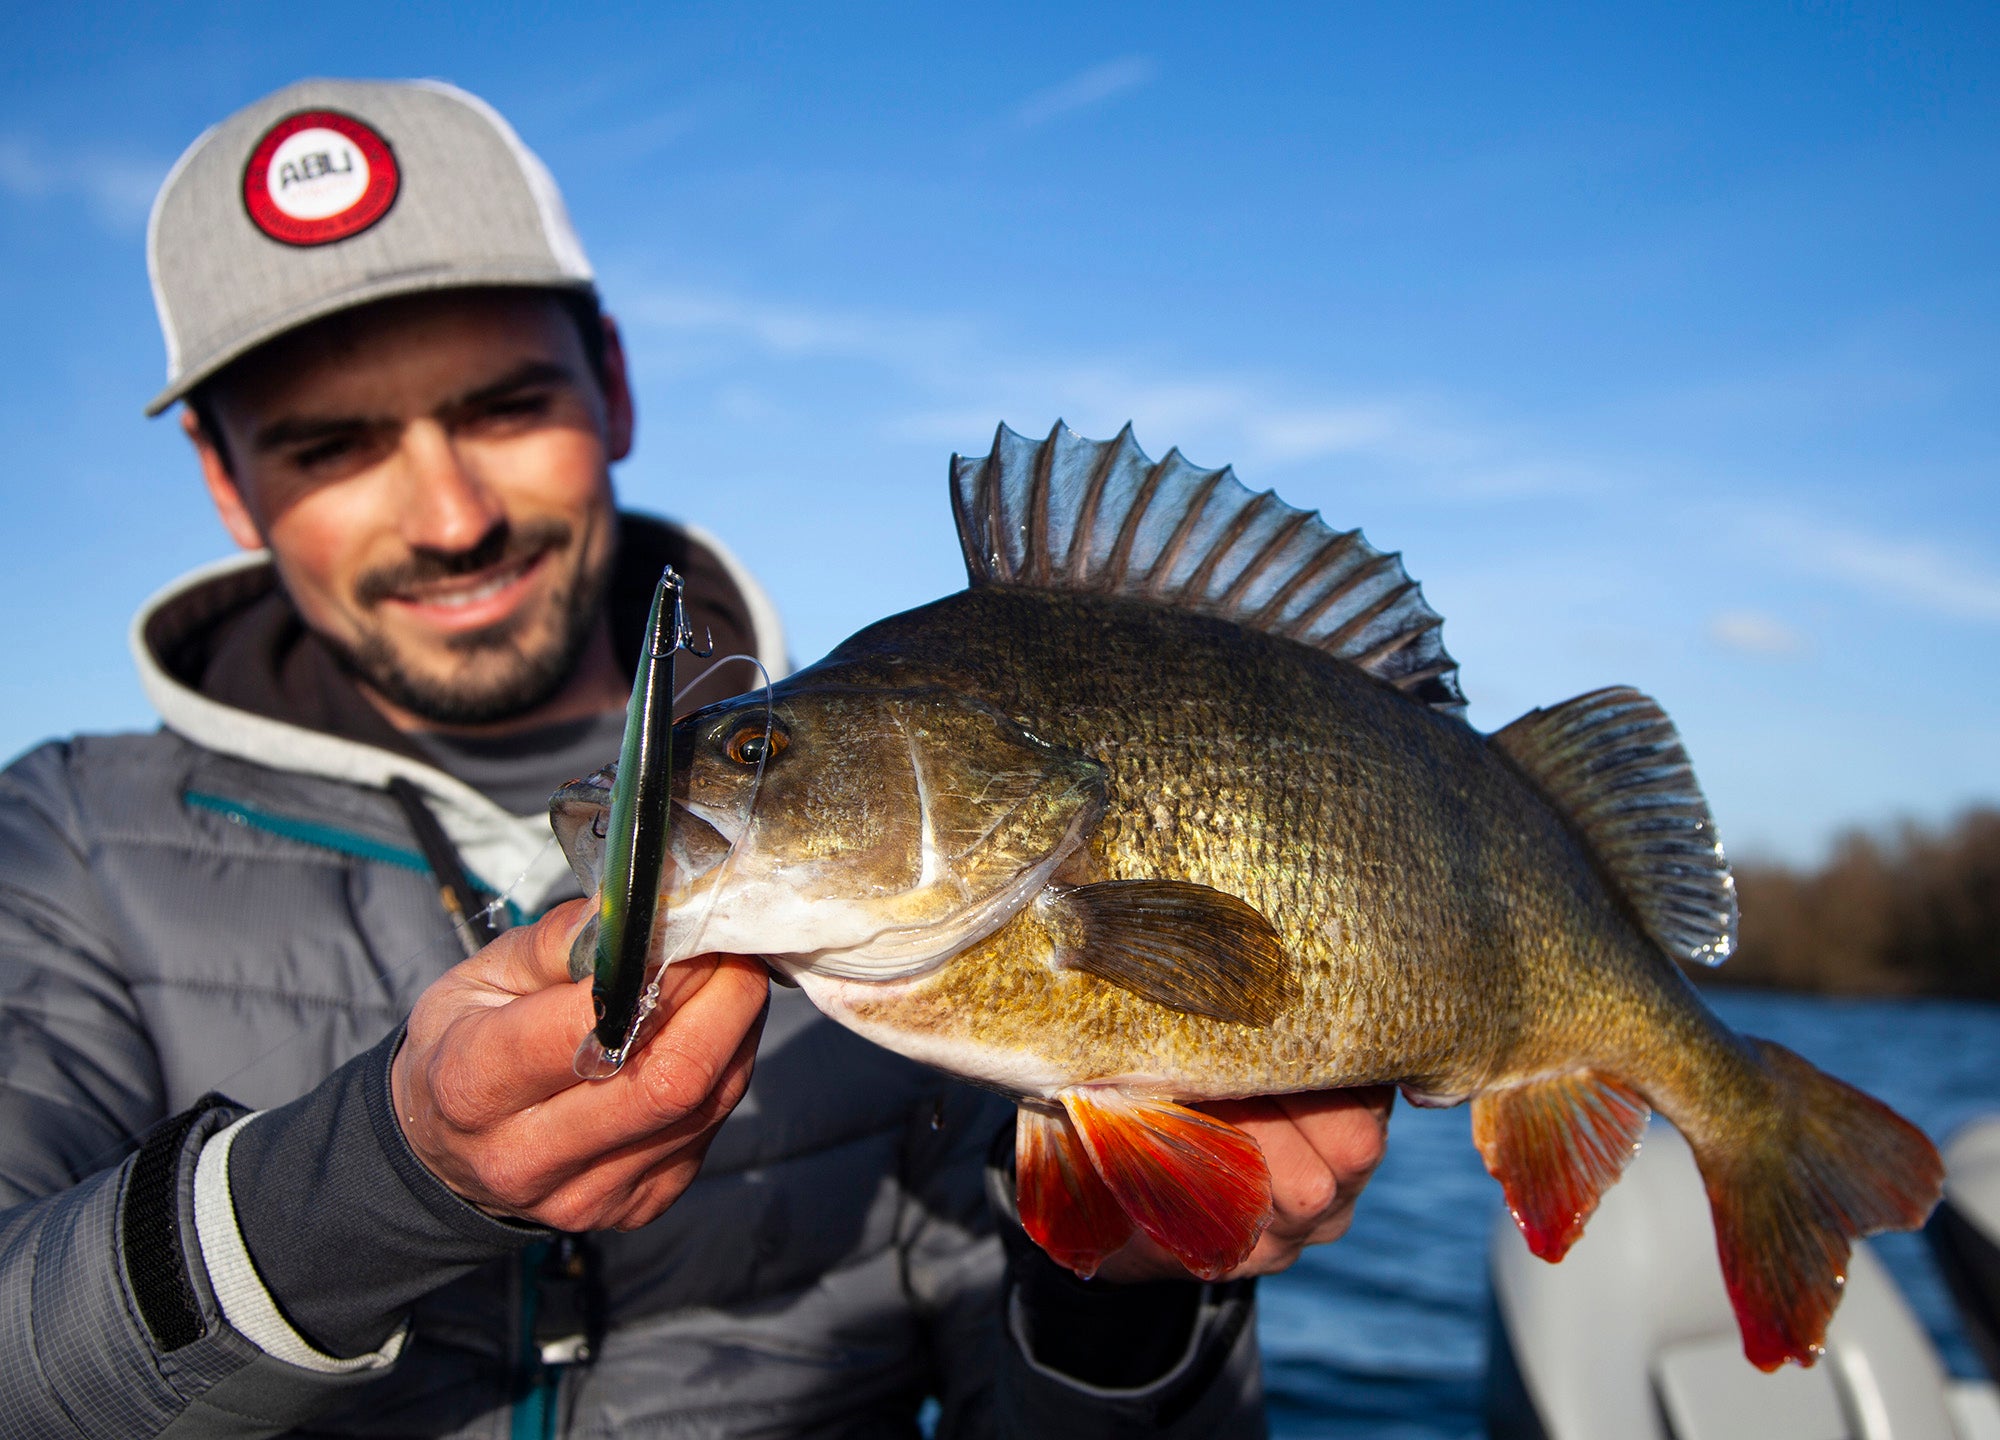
[1910,912]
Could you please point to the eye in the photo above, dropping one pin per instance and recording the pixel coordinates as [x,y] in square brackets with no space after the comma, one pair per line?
[519,405]
[320,454]
[331,453]
[753,745]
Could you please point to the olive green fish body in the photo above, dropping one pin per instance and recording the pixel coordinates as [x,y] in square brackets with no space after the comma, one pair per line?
[1447,928]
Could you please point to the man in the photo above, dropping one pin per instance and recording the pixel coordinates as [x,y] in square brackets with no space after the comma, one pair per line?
[410,1217]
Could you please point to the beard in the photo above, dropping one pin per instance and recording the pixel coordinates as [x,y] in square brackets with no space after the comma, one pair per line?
[499,672]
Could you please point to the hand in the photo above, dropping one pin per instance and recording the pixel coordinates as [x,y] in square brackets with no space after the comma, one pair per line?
[487,1098]
[1321,1146]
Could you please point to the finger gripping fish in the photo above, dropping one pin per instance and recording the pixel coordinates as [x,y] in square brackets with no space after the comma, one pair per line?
[1176,803]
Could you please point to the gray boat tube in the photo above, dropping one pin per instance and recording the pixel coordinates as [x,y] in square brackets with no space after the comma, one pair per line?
[1632,1336]
[1964,1234]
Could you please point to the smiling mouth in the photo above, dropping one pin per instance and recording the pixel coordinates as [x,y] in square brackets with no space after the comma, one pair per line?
[463,591]
[475,603]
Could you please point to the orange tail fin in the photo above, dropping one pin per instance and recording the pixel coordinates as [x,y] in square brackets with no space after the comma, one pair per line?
[1196,1185]
[1064,1206]
[1787,1205]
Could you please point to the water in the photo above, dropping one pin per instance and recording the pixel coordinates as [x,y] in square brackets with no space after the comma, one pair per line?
[1382,1336]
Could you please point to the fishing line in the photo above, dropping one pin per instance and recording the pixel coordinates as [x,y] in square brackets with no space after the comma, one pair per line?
[749,809]
[501,901]
[715,665]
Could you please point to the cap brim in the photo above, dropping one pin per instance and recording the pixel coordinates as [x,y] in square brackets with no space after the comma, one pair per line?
[377,288]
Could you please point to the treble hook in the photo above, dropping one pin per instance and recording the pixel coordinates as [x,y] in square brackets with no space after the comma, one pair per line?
[678,630]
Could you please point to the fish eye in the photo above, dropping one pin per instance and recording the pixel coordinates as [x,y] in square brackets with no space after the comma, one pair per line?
[753,744]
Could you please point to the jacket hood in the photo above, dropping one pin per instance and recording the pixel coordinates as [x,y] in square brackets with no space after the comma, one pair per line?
[176,634]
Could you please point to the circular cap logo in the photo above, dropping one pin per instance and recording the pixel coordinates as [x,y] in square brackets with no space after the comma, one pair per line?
[319,176]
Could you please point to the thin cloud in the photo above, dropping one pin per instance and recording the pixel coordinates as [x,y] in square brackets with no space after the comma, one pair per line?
[645,137]
[1261,425]
[1915,572]
[902,343]
[1091,88]
[117,189]
[1752,632]
[956,382]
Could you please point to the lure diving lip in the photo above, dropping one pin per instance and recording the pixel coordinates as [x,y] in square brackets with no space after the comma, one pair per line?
[636,843]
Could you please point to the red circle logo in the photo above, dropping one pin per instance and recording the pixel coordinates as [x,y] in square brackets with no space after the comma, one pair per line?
[319,176]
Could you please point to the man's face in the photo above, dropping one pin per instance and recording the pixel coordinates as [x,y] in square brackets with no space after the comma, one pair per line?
[431,477]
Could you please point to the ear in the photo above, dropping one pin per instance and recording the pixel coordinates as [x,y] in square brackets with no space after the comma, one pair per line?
[222,488]
[620,417]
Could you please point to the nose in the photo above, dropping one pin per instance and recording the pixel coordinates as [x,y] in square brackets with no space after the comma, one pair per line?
[446,505]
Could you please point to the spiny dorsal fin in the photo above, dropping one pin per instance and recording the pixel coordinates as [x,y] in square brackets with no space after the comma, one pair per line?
[1613,763]
[1098,515]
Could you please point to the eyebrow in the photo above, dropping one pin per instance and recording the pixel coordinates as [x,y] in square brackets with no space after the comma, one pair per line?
[526,375]
[280,434]
[291,430]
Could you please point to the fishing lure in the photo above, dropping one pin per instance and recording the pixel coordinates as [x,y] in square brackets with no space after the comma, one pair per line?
[636,843]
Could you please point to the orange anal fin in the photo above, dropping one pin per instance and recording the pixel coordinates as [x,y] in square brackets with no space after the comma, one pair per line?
[1556,1146]
[1838,1165]
[1196,1185]
[1064,1206]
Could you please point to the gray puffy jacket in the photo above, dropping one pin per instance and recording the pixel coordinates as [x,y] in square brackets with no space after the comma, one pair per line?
[235,904]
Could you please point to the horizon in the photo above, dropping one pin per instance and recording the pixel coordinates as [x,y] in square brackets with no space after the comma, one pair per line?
[1661,345]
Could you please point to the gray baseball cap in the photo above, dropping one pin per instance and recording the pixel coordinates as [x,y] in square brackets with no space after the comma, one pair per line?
[334,193]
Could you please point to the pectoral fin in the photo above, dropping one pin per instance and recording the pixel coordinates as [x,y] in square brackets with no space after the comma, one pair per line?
[1181,945]
[1064,1206]
[1196,1185]
[1556,1146]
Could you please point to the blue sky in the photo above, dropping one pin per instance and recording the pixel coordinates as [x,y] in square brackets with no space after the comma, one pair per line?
[1662,342]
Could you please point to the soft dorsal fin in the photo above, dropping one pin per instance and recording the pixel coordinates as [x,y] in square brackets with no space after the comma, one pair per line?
[1613,763]
[1098,515]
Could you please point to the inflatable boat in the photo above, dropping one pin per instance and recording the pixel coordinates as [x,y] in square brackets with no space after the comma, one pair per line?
[1632,1337]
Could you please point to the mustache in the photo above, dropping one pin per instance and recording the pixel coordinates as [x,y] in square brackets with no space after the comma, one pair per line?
[504,544]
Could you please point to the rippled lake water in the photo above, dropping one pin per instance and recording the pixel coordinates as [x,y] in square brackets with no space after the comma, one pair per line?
[1383,1336]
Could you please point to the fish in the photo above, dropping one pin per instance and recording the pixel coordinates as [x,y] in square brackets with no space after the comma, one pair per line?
[1177,802]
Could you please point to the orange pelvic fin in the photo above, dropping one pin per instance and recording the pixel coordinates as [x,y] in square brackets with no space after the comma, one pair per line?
[1556,1146]
[1196,1185]
[1064,1206]
[1789,1203]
